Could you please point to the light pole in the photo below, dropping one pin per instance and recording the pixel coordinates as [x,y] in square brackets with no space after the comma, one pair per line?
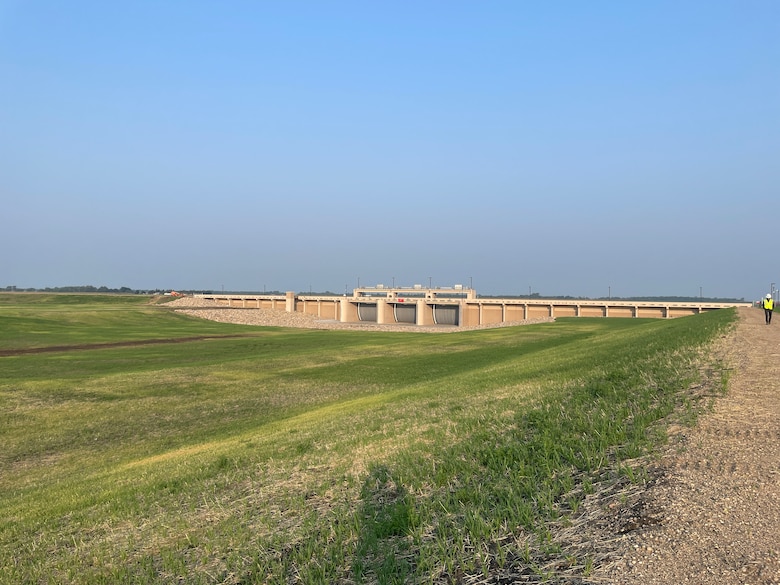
[429,282]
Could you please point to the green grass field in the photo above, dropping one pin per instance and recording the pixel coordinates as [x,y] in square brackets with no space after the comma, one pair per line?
[236,454]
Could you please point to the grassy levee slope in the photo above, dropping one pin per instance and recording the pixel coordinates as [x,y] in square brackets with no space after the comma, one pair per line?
[269,455]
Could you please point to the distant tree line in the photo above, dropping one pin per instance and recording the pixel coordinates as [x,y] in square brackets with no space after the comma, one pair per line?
[75,289]
[157,291]
[98,289]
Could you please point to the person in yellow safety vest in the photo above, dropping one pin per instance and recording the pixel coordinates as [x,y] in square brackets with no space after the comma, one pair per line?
[769,305]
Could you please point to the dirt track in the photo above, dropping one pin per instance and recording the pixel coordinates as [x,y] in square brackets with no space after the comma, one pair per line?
[716,503]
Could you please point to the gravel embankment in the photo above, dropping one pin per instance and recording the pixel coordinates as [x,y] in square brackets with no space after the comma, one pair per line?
[207,309]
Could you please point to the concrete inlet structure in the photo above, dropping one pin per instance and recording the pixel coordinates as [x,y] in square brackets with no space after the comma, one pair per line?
[456,306]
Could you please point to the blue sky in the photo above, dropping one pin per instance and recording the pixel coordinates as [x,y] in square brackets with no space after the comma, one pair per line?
[568,148]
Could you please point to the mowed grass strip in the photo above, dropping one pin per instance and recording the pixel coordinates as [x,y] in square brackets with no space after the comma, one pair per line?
[320,456]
